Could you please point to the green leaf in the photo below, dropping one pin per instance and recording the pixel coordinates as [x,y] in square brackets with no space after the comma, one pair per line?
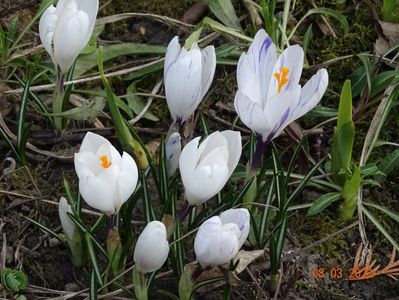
[344,134]
[224,11]
[388,163]
[349,193]
[13,280]
[358,80]
[324,11]
[367,69]
[21,129]
[158,66]
[93,259]
[381,228]
[306,40]
[92,45]
[140,285]
[137,104]
[322,203]
[88,110]
[47,230]
[186,284]
[87,62]
[220,28]
[93,286]
[394,215]
[323,112]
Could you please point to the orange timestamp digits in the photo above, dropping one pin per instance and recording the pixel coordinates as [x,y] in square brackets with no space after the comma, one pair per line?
[333,273]
[338,273]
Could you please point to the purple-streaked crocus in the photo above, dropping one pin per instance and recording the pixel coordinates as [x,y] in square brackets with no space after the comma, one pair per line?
[188,74]
[220,238]
[269,95]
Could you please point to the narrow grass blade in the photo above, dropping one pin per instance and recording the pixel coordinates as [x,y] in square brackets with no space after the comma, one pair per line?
[47,230]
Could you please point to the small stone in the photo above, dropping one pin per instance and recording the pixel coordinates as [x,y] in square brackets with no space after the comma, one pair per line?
[72,287]
[53,242]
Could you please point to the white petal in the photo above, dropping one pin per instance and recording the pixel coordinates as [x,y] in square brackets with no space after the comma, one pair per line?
[208,69]
[90,7]
[216,244]
[239,216]
[173,151]
[47,26]
[235,148]
[92,142]
[189,159]
[183,84]
[251,114]
[87,163]
[152,248]
[100,191]
[70,37]
[127,181]
[213,141]
[172,52]
[67,224]
[280,111]
[262,57]
[291,58]
[312,92]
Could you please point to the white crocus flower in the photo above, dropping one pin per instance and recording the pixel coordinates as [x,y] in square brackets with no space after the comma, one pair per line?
[188,75]
[68,226]
[66,29]
[152,248]
[220,238]
[173,151]
[205,168]
[106,179]
[269,96]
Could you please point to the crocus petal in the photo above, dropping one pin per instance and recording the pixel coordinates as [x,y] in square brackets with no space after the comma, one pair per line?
[173,151]
[239,216]
[251,113]
[99,191]
[67,224]
[280,111]
[91,142]
[207,180]
[208,56]
[70,37]
[183,84]
[172,52]
[90,7]
[292,59]
[47,25]
[235,148]
[189,158]
[87,163]
[312,92]
[216,244]
[128,178]
[152,248]
[214,140]
[262,56]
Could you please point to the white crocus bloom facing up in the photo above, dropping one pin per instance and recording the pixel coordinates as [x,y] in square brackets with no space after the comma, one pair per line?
[152,248]
[106,179]
[66,29]
[220,238]
[68,226]
[188,74]
[269,96]
[205,168]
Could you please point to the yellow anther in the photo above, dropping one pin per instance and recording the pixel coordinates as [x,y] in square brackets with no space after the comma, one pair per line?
[105,163]
[281,77]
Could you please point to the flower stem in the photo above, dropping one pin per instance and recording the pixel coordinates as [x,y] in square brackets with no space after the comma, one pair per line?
[58,99]
[185,210]
[256,159]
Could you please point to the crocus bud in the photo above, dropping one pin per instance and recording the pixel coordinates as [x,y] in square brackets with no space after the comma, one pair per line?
[72,235]
[152,248]
[220,238]
[206,168]
[66,29]
[173,151]
[188,75]
[269,96]
[106,179]
[68,226]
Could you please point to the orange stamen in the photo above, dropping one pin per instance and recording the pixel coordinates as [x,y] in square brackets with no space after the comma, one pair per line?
[281,78]
[105,163]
